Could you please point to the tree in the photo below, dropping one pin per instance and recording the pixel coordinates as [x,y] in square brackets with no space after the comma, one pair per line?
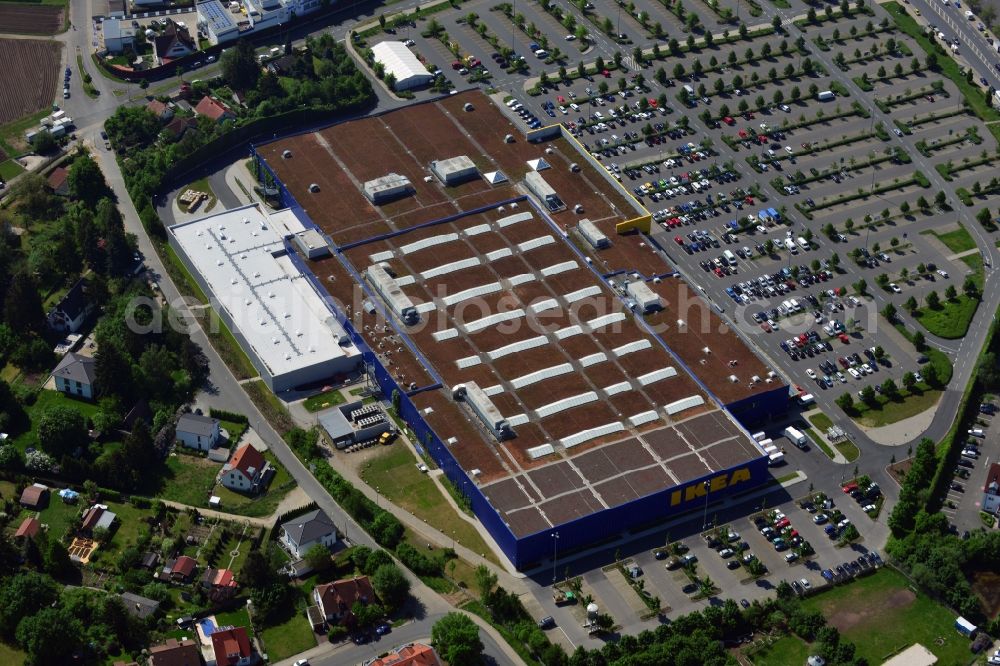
[919,342]
[909,381]
[34,634]
[23,595]
[861,286]
[367,614]
[776,22]
[910,304]
[951,293]
[970,288]
[55,559]
[239,66]
[23,311]
[940,199]
[932,376]
[889,312]
[868,395]
[456,639]
[318,557]
[391,585]
[933,300]
[889,388]
[486,580]
[86,182]
[845,401]
[61,430]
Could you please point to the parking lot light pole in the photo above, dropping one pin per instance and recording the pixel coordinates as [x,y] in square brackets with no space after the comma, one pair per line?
[555,554]
[704,518]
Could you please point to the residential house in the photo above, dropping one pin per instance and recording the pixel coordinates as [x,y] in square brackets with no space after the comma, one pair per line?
[28,529]
[180,570]
[76,375]
[35,497]
[198,432]
[991,489]
[220,583]
[72,310]
[300,534]
[176,653]
[178,127]
[58,181]
[336,599]
[173,43]
[283,65]
[214,109]
[163,112]
[411,654]
[247,471]
[149,560]
[97,517]
[232,647]
[140,607]
[117,35]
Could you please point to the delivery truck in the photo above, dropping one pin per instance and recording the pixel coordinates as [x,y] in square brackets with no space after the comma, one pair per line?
[795,436]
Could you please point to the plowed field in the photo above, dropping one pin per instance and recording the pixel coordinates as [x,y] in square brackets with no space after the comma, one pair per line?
[30,68]
[24,19]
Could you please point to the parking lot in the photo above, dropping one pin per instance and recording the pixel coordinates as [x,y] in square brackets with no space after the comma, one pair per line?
[963,501]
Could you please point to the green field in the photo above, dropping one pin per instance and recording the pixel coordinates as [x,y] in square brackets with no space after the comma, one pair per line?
[958,240]
[9,169]
[11,656]
[323,400]
[288,638]
[393,473]
[45,400]
[188,479]
[951,320]
[784,651]
[880,614]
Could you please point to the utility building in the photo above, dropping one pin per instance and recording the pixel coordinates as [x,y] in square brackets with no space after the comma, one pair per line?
[645,298]
[398,60]
[311,244]
[387,287]
[454,170]
[592,234]
[484,408]
[540,188]
[387,188]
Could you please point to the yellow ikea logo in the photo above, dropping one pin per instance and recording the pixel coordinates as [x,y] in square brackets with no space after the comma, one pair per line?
[715,484]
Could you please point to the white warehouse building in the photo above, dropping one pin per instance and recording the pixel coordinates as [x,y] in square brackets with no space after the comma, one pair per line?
[240,259]
[399,61]
[217,22]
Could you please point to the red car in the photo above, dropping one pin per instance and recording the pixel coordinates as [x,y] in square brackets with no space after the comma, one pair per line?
[766,327]
[843,338]
[782,524]
[718,272]
[729,121]
[850,486]
[678,240]
[843,362]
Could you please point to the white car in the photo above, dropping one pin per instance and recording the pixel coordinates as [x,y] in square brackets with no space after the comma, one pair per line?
[895,288]
[301,662]
[811,373]
[804,583]
[569,38]
[842,378]
[788,149]
[943,273]
[868,508]
[785,108]
[854,373]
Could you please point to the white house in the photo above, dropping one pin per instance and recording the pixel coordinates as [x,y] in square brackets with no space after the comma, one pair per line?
[69,313]
[117,35]
[991,489]
[302,533]
[246,472]
[75,375]
[198,432]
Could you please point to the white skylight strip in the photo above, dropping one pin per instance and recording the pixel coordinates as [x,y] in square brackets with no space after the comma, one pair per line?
[555,269]
[684,403]
[447,334]
[566,403]
[425,243]
[541,241]
[450,267]
[473,292]
[591,433]
[588,361]
[579,294]
[541,375]
[606,320]
[630,347]
[515,347]
[657,375]
[492,320]
[513,219]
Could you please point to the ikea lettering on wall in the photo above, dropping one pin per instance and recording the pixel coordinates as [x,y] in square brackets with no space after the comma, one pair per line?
[716,484]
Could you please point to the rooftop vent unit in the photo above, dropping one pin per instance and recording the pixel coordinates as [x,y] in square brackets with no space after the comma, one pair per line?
[314,187]
[706,350]
[681,323]
[246,220]
[734,379]
[578,209]
[286,154]
[574,167]
[549,151]
[468,106]
[657,280]
[475,472]
[509,138]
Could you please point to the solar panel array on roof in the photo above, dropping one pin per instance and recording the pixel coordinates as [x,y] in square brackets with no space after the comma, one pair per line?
[492,320]
[606,320]
[541,241]
[657,375]
[566,403]
[473,292]
[541,375]
[555,269]
[450,267]
[425,243]
[630,347]
[591,433]
[514,347]
[684,403]
[513,219]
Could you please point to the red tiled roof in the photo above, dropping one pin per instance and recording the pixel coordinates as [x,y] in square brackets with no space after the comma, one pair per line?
[175,653]
[993,476]
[34,495]
[156,107]
[231,645]
[91,516]
[224,578]
[340,595]
[184,566]
[248,460]
[212,108]
[58,177]
[415,654]
[29,528]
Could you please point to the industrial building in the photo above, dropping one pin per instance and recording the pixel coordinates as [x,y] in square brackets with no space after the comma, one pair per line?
[257,285]
[646,300]
[217,22]
[353,423]
[387,287]
[538,186]
[592,234]
[117,35]
[454,170]
[387,188]
[484,408]
[398,60]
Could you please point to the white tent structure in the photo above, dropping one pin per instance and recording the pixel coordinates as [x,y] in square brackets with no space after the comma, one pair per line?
[539,164]
[399,61]
[495,177]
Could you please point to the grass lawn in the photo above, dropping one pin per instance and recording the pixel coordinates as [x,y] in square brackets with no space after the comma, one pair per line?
[951,320]
[12,134]
[848,449]
[324,400]
[957,241]
[200,185]
[58,515]
[47,399]
[188,479]
[845,447]
[9,169]
[236,618]
[288,638]
[393,473]
[818,441]
[881,614]
[11,655]
[975,262]
[786,650]
[891,411]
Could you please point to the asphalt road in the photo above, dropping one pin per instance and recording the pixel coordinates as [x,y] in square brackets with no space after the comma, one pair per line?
[980,54]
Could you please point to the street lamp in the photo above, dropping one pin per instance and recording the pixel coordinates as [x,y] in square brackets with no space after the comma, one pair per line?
[555,554]
[704,518]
